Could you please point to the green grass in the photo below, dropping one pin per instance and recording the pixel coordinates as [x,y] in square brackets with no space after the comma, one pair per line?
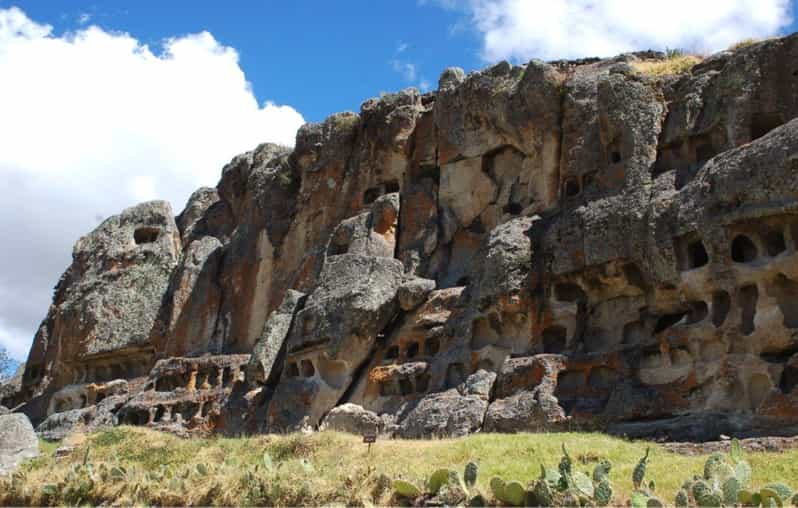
[338,468]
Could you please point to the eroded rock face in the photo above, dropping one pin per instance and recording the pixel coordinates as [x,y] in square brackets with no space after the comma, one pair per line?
[105,305]
[18,442]
[333,335]
[526,248]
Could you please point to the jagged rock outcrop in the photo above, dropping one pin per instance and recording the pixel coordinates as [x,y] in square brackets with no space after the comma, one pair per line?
[18,442]
[526,248]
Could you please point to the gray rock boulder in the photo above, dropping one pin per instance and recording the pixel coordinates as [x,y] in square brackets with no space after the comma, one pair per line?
[444,414]
[353,419]
[57,426]
[270,345]
[413,293]
[18,442]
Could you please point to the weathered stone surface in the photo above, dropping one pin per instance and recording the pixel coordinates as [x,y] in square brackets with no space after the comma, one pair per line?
[525,395]
[106,303]
[333,335]
[186,395]
[18,442]
[527,246]
[267,351]
[57,426]
[10,388]
[187,322]
[414,292]
[444,414]
[353,419]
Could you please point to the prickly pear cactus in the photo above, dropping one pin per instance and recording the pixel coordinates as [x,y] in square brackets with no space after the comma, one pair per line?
[542,494]
[639,499]
[705,496]
[602,470]
[682,499]
[514,493]
[582,483]
[470,474]
[406,489]
[784,492]
[437,480]
[713,465]
[731,491]
[552,476]
[769,497]
[639,473]
[497,487]
[565,463]
[603,492]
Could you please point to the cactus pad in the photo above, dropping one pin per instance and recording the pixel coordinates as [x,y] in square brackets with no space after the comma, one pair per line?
[406,489]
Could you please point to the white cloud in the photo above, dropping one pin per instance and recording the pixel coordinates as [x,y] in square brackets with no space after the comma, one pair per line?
[92,122]
[406,69]
[552,29]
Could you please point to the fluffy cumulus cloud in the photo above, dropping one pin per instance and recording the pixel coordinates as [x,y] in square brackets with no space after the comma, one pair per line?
[92,122]
[553,29]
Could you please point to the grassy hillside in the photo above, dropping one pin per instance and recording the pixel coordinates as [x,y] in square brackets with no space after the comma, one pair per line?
[328,468]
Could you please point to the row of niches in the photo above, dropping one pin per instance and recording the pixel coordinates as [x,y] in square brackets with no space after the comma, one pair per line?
[412,350]
[420,383]
[585,390]
[759,242]
[741,304]
[102,372]
[574,186]
[300,369]
[405,386]
[204,377]
[178,413]
[688,155]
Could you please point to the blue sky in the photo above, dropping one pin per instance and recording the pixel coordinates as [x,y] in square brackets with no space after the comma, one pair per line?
[320,57]
[104,105]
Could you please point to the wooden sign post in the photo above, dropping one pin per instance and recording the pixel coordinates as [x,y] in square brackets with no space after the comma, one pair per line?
[369,439]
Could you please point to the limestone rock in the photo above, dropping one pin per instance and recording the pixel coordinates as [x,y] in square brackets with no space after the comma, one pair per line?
[444,414]
[414,292]
[353,419]
[18,442]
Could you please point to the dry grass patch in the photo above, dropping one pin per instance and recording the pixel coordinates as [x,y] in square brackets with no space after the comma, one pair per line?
[677,63]
[330,468]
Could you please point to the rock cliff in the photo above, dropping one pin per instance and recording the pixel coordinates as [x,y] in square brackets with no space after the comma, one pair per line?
[552,245]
